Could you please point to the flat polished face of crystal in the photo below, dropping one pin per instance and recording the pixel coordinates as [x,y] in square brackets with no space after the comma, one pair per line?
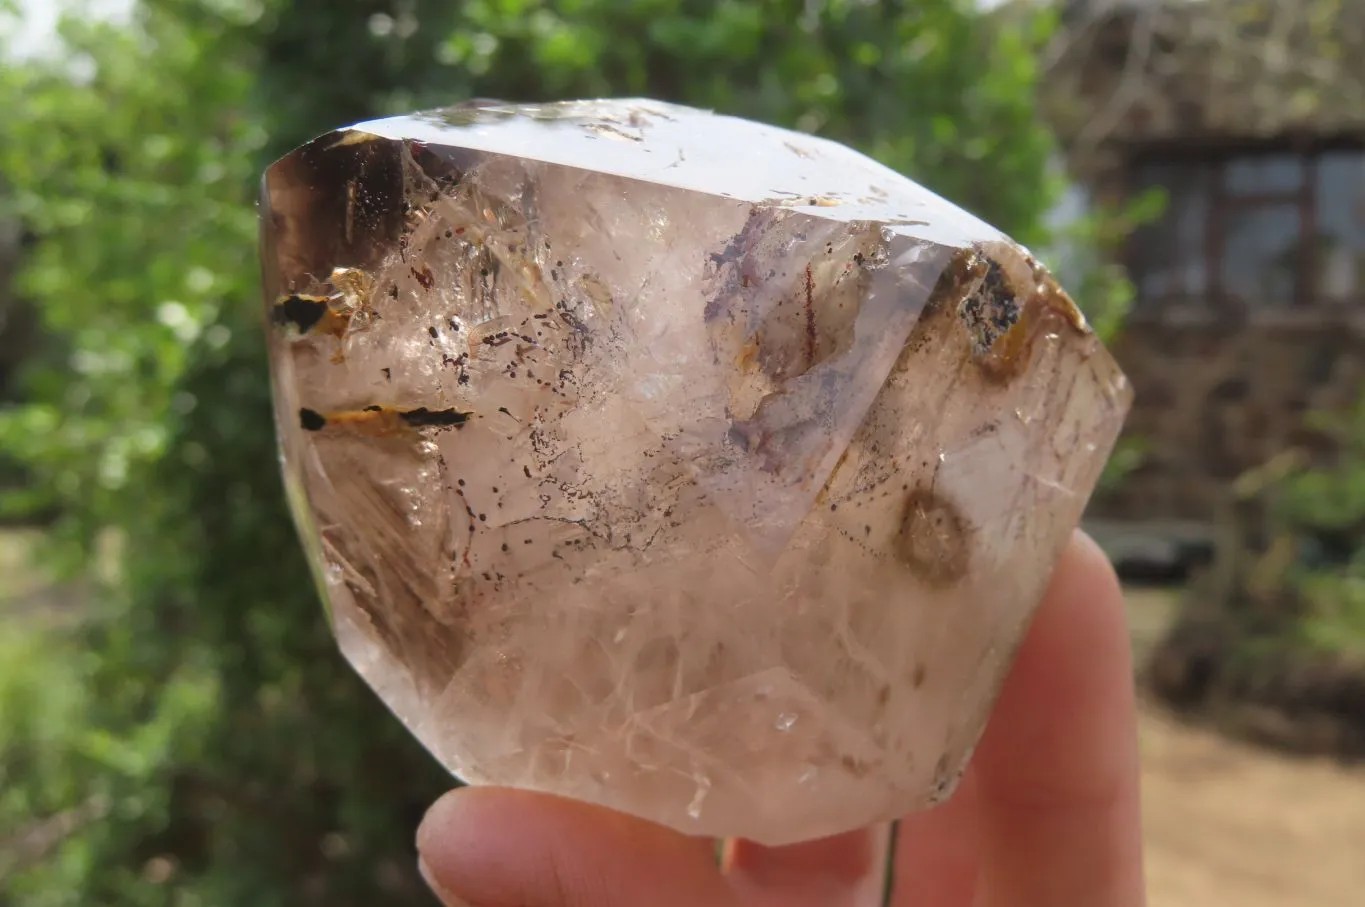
[674,462]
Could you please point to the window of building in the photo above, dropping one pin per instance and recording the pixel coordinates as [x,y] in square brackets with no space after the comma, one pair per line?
[1339,244]
[1271,229]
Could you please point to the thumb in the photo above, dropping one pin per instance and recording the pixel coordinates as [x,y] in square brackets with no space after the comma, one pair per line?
[492,847]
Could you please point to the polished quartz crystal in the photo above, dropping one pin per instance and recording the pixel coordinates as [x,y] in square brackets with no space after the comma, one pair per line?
[670,461]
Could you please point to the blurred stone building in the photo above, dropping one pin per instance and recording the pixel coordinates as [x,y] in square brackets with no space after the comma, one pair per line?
[1250,311]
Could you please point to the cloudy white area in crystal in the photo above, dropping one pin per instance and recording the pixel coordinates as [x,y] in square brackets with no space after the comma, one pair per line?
[670,461]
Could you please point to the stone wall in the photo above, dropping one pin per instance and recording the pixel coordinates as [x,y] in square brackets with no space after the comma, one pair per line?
[1217,396]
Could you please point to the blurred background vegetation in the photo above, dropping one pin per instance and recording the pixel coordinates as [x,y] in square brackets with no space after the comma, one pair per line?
[181,731]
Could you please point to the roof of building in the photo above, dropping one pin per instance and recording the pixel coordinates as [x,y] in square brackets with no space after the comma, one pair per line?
[1125,72]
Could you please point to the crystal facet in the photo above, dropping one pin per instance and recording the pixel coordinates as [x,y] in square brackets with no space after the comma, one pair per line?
[670,461]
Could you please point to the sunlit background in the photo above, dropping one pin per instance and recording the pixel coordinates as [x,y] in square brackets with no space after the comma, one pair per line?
[176,727]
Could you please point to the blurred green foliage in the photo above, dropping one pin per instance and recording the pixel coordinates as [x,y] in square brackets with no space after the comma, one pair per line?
[1278,621]
[1318,508]
[199,741]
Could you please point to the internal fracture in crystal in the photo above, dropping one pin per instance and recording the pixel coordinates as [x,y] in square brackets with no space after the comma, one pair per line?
[673,462]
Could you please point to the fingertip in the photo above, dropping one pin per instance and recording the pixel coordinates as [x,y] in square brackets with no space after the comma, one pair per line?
[434,826]
[493,846]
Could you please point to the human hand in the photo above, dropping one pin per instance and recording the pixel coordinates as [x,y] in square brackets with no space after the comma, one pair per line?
[1046,816]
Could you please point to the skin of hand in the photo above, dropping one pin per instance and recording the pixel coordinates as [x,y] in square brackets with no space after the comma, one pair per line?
[1047,814]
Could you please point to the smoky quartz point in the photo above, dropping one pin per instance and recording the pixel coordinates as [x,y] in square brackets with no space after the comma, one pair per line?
[670,461]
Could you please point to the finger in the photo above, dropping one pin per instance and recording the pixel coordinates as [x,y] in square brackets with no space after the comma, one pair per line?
[492,847]
[1057,767]
[846,870]
[935,864]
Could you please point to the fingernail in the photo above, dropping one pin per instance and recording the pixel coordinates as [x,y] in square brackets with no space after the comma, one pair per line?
[848,869]
[446,896]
